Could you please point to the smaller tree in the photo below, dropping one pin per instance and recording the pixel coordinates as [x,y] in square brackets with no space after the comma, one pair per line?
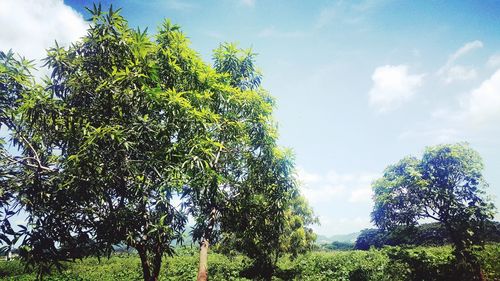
[446,185]
[370,237]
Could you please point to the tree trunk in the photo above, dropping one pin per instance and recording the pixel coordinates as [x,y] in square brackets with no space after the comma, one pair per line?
[146,273]
[203,266]
[156,265]
[469,267]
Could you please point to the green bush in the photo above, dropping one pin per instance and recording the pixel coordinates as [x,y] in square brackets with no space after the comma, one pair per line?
[353,265]
[389,263]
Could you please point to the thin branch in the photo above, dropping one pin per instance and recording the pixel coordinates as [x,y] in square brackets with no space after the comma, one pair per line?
[22,161]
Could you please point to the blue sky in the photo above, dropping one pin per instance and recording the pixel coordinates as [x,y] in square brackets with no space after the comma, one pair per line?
[359,84]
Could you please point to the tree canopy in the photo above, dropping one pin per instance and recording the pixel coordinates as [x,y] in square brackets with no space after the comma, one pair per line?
[446,185]
[124,129]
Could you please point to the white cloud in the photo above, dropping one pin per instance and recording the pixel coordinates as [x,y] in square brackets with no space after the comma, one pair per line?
[272,32]
[392,86]
[330,226]
[29,27]
[483,103]
[451,72]
[474,117]
[459,72]
[361,195]
[433,136]
[333,185]
[494,61]
[468,47]
[306,177]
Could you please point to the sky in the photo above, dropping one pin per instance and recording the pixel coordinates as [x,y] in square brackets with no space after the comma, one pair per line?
[358,84]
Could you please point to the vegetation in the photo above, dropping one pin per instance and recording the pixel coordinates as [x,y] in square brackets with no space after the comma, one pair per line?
[127,125]
[390,263]
[446,185]
[132,135]
[427,234]
[338,246]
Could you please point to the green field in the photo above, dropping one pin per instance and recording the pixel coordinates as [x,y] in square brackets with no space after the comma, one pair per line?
[430,263]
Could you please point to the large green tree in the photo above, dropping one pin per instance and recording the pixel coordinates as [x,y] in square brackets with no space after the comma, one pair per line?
[446,185]
[123,126]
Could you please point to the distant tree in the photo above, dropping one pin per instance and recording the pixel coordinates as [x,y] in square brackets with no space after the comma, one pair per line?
[266,216]
[338,246]
[445,185]
[298,237]
[427,234]
[424,234]
[368,238]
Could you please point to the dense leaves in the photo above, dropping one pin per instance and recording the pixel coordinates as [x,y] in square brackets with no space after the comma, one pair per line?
[427,234]
[446,185]
[391,264]
[130,136]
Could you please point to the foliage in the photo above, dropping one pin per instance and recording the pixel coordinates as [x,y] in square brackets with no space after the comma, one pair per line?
[238,65]
[123,126]
[337,246]
[390,263]
[268,217]
[338,266]
[427,234]
[370,237]
[445,185]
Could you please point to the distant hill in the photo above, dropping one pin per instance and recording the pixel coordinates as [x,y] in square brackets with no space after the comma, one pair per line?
[348,238]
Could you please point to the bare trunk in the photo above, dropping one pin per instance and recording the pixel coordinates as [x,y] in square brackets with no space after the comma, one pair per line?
[156,265]
[146,274]
[203,266]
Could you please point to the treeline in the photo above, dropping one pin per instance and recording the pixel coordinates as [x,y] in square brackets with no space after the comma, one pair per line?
[428,234]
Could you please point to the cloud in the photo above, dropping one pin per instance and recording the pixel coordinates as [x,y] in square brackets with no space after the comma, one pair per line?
[432,135]
[272,32]
[468,47]
[483,103]
[392,86]
[354,187]
[330,226]
[494,61]
[361,195]
[474,116]
[307,178]
[451,72]
[459,72]
[29,27]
